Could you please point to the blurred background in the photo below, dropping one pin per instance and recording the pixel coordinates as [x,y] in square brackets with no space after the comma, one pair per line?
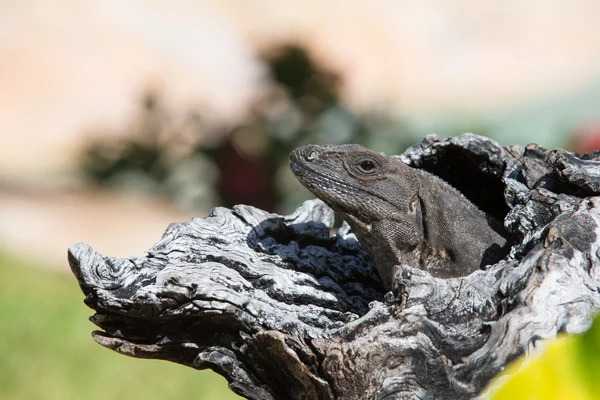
[120,117]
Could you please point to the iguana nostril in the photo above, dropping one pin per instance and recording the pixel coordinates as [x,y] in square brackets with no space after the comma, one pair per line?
[311,155]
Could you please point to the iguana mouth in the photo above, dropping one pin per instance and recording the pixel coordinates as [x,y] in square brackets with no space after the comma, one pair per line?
[304,172]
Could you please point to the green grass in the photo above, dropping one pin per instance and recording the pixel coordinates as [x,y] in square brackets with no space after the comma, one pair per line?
[47,352]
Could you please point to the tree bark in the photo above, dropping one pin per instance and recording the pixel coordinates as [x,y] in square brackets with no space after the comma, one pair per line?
[284,309]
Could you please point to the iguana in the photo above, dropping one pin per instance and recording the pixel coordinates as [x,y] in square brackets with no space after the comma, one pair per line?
[400,215]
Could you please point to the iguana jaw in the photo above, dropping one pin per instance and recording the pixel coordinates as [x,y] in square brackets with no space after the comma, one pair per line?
[342,196]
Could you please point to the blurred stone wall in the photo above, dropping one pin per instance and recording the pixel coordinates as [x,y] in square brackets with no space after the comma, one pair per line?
[68,66]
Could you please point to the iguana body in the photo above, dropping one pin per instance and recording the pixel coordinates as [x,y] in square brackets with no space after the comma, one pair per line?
[400,215]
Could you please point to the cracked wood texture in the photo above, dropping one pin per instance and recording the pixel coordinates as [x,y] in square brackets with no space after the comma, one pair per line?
[285,309]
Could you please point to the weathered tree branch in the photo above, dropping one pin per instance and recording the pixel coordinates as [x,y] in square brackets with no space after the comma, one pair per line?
[285,310]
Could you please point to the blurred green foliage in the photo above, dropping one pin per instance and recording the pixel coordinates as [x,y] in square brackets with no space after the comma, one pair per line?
[567,368]
[198,164]
[48,353]
[195,162]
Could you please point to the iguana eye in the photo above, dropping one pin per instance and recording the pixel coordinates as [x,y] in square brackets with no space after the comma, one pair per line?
[367,165]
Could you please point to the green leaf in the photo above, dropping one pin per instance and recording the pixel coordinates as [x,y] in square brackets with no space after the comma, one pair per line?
[568,367]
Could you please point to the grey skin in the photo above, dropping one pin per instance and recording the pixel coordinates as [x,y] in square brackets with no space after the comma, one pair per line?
[400,215]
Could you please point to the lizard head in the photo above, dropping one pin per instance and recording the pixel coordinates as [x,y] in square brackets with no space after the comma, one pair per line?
[361,184]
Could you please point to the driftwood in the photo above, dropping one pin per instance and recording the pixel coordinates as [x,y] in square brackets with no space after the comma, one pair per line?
[286,310]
